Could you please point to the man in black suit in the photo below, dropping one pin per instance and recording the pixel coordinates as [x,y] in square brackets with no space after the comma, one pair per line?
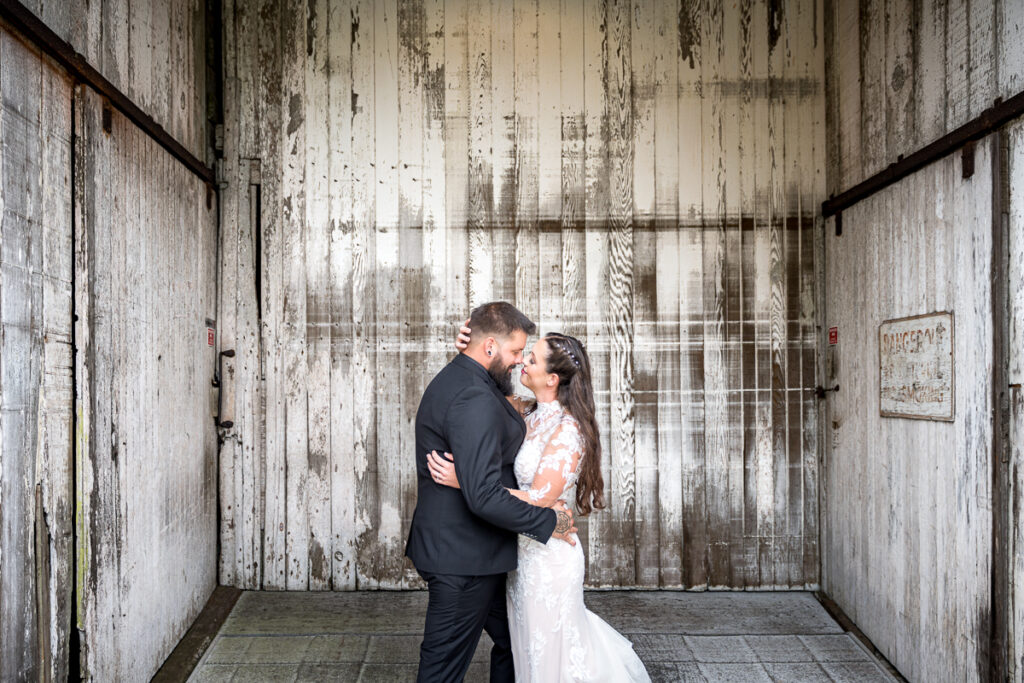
[463,541]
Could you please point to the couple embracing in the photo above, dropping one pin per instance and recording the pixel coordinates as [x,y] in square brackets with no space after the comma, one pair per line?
[493,468]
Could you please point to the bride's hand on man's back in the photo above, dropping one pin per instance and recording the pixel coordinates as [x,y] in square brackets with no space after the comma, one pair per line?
[442,470]
[462,339]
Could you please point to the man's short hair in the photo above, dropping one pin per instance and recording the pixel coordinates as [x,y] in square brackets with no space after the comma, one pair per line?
[498,319]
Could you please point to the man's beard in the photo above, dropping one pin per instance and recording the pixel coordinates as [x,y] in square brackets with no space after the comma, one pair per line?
[501,376]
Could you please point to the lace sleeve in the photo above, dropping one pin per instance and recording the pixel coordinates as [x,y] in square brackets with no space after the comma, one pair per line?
[557,469]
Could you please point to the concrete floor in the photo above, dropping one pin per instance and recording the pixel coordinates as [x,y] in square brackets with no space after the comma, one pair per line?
[715,636]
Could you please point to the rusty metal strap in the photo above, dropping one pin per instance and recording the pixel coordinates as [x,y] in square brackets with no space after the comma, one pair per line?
[1000,113]
[42,36]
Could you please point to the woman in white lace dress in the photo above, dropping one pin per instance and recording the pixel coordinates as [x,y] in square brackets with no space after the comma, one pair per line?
[554,636]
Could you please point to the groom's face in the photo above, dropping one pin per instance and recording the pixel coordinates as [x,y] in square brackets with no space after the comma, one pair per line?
[509,355]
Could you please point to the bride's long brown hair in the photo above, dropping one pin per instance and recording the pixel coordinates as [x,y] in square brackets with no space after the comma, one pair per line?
[569,360]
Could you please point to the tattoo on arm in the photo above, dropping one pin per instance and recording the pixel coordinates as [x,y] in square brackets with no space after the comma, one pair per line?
[562,523]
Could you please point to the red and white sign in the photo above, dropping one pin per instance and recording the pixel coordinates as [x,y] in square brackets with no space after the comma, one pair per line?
[833,335]
[209,336]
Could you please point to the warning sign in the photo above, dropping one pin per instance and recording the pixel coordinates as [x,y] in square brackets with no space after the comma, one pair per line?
[915,358]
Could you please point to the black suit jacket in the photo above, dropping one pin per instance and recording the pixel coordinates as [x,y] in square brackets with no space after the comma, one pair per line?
[472,530]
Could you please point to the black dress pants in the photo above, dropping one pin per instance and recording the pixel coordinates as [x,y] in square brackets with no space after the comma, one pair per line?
[459,609]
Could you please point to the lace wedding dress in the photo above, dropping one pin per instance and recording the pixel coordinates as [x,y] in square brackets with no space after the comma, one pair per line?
[554,636]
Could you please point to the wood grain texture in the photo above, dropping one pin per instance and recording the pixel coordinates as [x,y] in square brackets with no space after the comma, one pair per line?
[1015,378]
[667,501]
[644,334]
[145,286]
[623,171]
[621,435]
[154,52]
[36,568]
[912,567]
[596,153]
[316,106]
[916,71]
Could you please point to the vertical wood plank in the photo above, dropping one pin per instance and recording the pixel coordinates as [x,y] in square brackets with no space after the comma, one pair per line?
[668,264]
[140,66]
[439,325]
[271,114]
[620,288]
[733,160]
[849,166]
[315,106]
[480,211]
[293,264]
[573,173]
[363,198]
[388,565]
[873,89]
[243,204]
[573,138]
[456,145]
[751,27]
[646,332]
[1010,64]
[983,59]
[929,73]
[600,530]
[340,302]
[525,34]
[435,185]
[812,184]
[957,63]
[549,165]
[715,399]
[1015,376]
[54,446]
[503,158]
[249,380]
[84,170]
[692,36]
[900,126]
[160,39]
[229,561]
[21,349]
[411,321]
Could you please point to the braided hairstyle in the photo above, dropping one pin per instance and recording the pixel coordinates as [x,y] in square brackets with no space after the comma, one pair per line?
[569,360]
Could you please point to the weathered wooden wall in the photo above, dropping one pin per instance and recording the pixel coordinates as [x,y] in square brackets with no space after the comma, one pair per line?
[154,51]
[146,445]
[908,506]
[906,511]
[35,365]
[140,257]
[902,73]
[644,174]
[1015,378]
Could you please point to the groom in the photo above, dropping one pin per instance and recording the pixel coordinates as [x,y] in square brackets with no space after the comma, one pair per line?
[462,541]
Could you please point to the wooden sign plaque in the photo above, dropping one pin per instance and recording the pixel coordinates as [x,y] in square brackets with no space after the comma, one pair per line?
[915,367]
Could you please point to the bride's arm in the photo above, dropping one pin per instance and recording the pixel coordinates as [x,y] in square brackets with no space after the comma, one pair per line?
[559,460]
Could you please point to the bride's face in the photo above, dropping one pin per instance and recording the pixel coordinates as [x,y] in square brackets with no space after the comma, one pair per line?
[535,375]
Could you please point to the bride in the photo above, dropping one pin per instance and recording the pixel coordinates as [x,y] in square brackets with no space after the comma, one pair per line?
[554,636]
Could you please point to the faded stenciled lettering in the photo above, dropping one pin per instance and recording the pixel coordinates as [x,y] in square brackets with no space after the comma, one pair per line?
[916,367]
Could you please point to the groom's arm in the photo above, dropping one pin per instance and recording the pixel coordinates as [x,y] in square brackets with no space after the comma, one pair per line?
[474,428]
